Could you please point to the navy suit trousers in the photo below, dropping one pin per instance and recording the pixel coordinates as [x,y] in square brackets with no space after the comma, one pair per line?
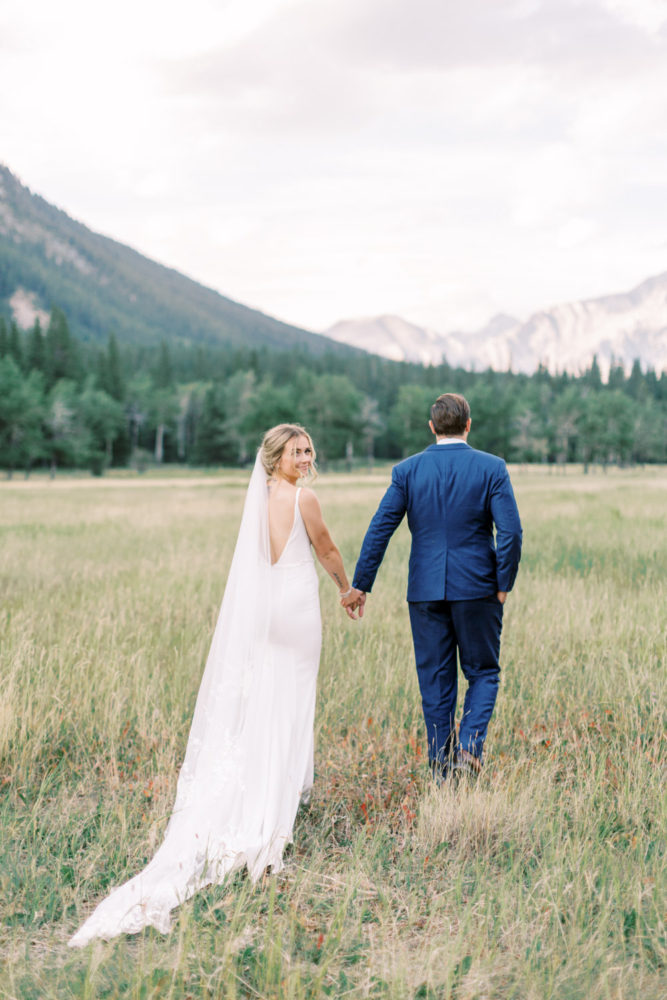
[439,629]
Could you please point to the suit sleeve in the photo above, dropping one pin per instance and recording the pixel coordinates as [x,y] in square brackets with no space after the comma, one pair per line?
[385,521]
[509,533]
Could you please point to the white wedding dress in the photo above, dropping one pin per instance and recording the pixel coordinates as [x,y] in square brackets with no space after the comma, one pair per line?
[249,758]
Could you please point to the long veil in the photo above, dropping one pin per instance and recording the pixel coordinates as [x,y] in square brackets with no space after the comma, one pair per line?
[213,828]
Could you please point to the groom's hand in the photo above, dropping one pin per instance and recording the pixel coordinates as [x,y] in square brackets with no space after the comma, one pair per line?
[502,596]
[354,601]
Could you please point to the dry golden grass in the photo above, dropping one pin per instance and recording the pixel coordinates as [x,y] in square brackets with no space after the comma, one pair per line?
[544,880]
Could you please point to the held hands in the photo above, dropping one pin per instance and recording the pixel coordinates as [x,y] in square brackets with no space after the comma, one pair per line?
[353,600]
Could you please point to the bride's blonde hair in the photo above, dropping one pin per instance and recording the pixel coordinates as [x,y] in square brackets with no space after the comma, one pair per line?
[275,441]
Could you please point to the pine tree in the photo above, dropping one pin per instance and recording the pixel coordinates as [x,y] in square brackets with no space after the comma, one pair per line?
[163,374]
[593,377]
[62,359]
[109,374]
[636,385]
[616,378]
[14,345]
[34,351]
[115,383]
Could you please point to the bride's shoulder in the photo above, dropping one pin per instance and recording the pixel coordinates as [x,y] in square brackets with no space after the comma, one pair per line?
[308,499]
[280,489]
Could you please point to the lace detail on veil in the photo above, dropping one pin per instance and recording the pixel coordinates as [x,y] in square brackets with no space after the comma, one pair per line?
[208,833]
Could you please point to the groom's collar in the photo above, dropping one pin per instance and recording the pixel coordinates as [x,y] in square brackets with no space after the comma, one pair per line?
[451,443]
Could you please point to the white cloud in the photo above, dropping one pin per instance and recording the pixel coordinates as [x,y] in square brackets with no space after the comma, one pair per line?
[574,232]
[650,15]
[326,158]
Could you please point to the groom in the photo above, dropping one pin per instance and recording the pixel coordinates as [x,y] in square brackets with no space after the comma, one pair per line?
[458,578]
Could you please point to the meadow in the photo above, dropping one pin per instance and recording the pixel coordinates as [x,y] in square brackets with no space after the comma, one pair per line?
[545,880]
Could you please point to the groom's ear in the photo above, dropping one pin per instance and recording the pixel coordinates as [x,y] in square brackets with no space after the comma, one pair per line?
[430,423]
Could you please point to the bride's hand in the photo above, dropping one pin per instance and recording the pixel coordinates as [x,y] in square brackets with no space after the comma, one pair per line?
[354,601]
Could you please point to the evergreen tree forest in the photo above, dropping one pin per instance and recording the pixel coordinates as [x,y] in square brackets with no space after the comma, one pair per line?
[70,404]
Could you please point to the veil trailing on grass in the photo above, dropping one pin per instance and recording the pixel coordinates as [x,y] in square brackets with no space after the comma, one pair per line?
[217,824]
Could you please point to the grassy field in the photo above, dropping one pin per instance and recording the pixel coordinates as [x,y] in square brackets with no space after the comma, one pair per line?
[544,881]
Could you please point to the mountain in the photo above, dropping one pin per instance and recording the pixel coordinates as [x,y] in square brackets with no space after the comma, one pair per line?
[47,259]
[396,338]
[623,327]
[391,337]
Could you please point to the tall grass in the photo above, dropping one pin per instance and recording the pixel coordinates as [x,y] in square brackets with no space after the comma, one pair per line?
[545,880]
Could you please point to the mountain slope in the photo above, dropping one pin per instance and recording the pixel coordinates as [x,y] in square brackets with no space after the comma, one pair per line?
[47,258]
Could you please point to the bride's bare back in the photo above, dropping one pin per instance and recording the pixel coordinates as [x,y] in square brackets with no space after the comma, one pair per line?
[282,497]
[294,464]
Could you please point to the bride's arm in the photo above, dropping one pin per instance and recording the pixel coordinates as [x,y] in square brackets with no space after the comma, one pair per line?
[324,545]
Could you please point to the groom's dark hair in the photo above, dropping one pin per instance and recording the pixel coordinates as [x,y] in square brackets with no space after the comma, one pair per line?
[450,413]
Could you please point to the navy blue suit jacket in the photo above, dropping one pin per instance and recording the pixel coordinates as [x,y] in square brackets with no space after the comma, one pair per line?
[453,496]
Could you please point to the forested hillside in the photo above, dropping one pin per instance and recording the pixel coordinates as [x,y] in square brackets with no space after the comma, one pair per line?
[65,403]
[50,259]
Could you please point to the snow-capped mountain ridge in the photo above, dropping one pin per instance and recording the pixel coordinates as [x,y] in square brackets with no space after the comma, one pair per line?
[621,327]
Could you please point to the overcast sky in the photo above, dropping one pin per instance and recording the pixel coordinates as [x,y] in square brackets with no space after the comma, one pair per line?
[443,160]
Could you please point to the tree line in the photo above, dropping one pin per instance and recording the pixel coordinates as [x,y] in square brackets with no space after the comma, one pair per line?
[67,403]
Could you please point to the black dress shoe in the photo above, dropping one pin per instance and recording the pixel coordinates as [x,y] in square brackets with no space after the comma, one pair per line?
[466,766]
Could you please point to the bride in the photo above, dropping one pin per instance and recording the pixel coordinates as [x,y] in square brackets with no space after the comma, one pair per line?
[249,757]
